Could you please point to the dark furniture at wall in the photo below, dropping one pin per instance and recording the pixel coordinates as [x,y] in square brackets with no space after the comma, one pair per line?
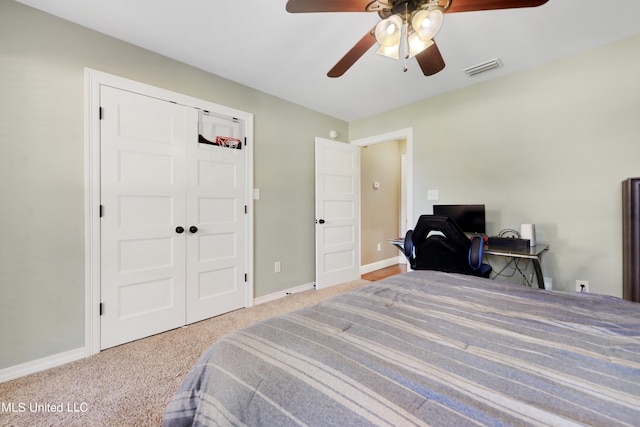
[438,243]
[631,239]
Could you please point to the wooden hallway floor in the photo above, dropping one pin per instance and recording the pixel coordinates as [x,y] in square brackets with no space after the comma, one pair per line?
[384,272]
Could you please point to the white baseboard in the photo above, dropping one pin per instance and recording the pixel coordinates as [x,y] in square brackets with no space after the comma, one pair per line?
[364,269]
[56,360]
[43,364]
[281,294]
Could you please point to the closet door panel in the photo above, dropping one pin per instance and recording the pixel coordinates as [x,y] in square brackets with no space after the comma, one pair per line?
[216,264]
[142,194]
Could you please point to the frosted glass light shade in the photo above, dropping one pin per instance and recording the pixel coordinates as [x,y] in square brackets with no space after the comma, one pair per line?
[388,31]
[416,45]
[426,23]
[392,52]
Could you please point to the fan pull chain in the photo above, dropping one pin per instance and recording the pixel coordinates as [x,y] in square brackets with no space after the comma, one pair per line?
[405,28]
[405,36]
[406,50]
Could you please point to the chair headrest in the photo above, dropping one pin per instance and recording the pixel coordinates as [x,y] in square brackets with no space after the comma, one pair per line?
[444,226]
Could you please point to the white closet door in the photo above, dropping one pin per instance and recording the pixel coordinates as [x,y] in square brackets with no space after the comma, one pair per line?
[216,247]
[142,193]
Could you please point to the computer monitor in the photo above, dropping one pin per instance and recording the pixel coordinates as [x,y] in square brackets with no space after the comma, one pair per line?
[470,218]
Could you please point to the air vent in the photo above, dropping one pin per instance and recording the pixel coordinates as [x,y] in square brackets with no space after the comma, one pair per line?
[484,67]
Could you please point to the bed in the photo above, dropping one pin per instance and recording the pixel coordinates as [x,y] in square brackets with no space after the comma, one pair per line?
[425,348]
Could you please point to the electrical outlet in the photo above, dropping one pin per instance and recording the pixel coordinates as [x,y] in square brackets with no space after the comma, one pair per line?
[582,286]
[379,247]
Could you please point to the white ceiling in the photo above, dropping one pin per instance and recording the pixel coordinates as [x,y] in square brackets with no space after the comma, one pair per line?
[258,44]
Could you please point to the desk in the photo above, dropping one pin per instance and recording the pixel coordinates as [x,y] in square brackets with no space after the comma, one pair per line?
[533,253]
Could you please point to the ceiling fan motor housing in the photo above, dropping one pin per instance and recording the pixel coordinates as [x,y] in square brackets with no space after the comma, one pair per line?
[400,7]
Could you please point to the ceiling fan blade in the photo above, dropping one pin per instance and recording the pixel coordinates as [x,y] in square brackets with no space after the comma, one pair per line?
[430,60]
[309,6]
[473,5]
[354,54]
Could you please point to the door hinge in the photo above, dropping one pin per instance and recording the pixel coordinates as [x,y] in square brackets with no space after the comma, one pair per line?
[245,141]
[246,278]
[100,309]
[246,209]
[100,113]
[101,211]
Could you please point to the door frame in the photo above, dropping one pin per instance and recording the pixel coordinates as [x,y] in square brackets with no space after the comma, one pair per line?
[404,134]
[93,79]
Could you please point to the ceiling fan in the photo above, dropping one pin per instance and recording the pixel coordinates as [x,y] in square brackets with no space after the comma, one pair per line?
[407,25]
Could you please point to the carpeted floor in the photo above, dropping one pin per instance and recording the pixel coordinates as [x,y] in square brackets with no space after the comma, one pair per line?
[131,384]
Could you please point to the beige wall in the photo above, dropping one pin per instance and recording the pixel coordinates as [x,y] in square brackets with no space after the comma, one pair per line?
[548,146]
[380,208]
[42,62]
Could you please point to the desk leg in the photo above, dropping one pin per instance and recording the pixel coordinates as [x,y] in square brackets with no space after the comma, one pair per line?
[538,270]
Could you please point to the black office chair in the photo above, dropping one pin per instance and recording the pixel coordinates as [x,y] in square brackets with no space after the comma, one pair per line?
[438,243]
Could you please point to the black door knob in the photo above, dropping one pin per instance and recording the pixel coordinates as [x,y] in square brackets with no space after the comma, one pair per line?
[321,221]
[179,230]
[193,229]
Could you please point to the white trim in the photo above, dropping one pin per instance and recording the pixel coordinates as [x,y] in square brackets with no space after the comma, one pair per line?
[93,80]
[39,365]
[281,294]
[364,269]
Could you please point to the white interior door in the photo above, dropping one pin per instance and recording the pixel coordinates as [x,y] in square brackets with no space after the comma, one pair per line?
[337,212]
[142,197]
[216,199]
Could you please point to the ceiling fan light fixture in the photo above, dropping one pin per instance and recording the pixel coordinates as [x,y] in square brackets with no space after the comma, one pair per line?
[388,31]
[392,52]
[417,45]
[427,23]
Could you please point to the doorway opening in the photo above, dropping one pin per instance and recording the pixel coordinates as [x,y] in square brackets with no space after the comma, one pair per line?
[386,197]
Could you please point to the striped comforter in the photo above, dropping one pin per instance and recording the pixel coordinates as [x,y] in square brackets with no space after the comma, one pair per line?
[425,348]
